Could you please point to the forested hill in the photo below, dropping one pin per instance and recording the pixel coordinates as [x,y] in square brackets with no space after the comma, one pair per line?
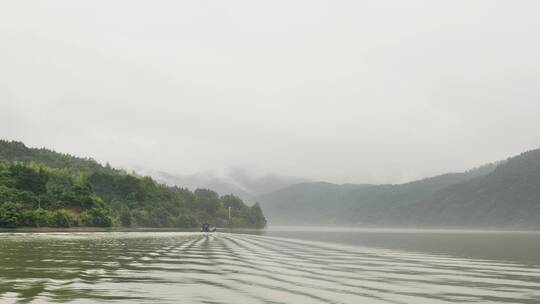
[502,195]
[349,204]
[43,188]
[507,197]
[13,151]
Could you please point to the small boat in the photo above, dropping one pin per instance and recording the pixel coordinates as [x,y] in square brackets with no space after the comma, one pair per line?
[207,228]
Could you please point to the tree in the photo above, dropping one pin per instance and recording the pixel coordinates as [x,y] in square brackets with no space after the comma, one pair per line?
[10,214]
[126,218]
[232,201]
[28,179]
[96,217]
[257,217]
[61,218]
[206,193]
[186,221]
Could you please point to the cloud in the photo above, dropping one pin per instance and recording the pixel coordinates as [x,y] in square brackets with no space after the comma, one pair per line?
[361,92]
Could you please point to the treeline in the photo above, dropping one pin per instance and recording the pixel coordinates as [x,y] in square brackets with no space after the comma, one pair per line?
[42,188]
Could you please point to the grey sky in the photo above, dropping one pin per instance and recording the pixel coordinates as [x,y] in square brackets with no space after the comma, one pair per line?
[343,91]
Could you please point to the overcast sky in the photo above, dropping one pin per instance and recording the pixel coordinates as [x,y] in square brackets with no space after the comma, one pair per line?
[342,91]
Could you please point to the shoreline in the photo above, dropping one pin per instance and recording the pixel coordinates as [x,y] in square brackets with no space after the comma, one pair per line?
[381,230]
[114,229]
[89,229]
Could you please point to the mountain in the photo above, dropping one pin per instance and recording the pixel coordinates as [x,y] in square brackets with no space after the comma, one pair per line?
[40,187]
[507,197]
[504,194]
[240,182]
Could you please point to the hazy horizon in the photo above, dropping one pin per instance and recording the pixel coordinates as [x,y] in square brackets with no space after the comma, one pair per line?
[353,92]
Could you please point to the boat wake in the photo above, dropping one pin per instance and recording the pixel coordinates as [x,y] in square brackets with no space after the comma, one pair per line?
[239,268]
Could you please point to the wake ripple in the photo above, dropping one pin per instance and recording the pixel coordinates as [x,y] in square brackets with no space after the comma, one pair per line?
[237,268]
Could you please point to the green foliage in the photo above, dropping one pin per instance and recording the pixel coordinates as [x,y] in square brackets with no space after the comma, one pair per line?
[14,215]
[96,217]
[125,217]
[27,178]
[256,218]
[232,201]
[62,218]
[206,194]
[186,221]
[207,202]
[42,188]
[12,151]
[10,214]
[40,218]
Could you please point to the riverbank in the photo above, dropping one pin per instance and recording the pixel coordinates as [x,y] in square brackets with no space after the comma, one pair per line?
[120,229]
[92,229]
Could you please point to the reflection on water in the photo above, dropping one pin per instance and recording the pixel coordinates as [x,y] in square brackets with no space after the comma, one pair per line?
[240,268]
[514,246]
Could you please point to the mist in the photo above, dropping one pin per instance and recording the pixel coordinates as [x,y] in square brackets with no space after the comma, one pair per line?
[283,151]
[357,92]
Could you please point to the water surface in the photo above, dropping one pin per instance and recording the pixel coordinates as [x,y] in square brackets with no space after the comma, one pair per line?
[512,246]
[191,267]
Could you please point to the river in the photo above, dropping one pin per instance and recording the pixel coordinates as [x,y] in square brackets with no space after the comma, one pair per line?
[275,266]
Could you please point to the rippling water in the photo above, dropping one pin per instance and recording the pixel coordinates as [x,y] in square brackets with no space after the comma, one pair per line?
[241,268]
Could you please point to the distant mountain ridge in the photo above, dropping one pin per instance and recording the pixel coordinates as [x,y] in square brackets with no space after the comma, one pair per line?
[504,194]
[509,197]
[331,204]
[236,181]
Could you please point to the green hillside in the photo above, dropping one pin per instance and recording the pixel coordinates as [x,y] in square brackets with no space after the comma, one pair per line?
[43,188]
[376,205]
[507,197]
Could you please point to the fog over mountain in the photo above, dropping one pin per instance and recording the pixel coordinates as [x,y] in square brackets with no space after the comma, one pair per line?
[505,195]
[246,185]
[350,92]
